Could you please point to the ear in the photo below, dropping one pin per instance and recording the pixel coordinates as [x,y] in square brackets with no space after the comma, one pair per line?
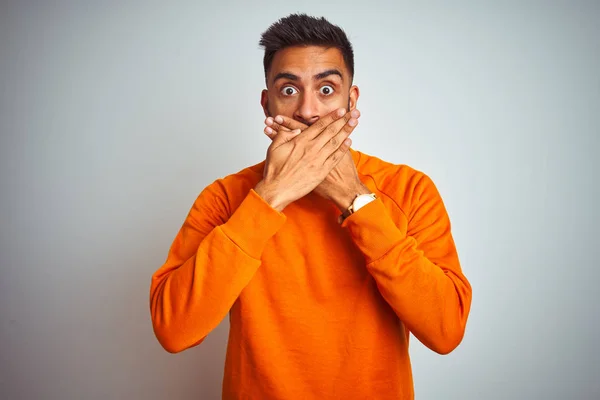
[354,94]
[264,102]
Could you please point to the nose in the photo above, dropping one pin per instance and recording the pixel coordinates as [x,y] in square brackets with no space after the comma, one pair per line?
[308,109]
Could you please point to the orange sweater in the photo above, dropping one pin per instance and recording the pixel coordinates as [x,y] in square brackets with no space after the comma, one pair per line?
[317,310]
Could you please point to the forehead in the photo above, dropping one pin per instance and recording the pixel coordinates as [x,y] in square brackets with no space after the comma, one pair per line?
[306,61]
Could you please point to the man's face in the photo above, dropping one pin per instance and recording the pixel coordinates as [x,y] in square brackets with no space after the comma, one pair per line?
[307,83]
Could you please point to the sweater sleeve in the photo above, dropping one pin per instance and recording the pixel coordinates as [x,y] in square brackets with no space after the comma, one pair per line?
[211,260]
[417,271]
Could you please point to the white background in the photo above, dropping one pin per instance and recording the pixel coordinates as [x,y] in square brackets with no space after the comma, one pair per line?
[114,117]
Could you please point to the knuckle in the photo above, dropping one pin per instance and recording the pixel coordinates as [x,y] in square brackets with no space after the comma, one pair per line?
[301,140]
[334,141]
[331,130]
[306,151]
[320,124]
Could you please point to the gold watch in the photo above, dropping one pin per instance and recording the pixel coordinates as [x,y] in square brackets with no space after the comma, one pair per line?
[359,202]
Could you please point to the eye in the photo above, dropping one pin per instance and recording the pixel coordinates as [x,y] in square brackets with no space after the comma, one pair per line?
[326,90]
[288,91]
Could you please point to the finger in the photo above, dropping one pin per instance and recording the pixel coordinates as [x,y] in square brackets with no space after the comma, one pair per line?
[275,127]
[322,123]
[284,137]
[289,123]
[337,156]
[270,122]
[270,133]
[336,132]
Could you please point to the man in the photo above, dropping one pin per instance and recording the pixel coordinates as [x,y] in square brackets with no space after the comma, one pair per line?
[325,258]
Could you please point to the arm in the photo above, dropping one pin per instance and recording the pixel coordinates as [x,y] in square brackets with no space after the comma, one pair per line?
[213,257]
[417,271]
[210,262]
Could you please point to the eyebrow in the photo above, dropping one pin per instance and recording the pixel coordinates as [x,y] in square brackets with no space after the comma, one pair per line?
[319,76]
[286,75]
[327,73]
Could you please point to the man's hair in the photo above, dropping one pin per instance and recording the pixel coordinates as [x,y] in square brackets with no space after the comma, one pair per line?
[304,30]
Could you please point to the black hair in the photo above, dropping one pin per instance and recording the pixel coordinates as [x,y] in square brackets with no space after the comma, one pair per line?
[304,30]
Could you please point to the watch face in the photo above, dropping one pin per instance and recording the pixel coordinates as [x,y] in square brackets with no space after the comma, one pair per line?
[361,201]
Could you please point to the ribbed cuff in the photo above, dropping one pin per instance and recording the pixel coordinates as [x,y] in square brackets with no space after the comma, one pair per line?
[253,224]
[373,230]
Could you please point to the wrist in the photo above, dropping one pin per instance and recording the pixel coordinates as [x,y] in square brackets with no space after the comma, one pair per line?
[271,195]
[345,198]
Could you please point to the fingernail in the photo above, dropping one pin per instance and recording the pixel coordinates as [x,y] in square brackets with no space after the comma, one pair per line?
[352,122]
[348,142]
[296,131]
[279,119]
[269,121]
[341,112]
[269,130]
[355,113]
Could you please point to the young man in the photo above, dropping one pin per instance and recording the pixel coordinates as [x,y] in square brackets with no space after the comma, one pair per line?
[325,258]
